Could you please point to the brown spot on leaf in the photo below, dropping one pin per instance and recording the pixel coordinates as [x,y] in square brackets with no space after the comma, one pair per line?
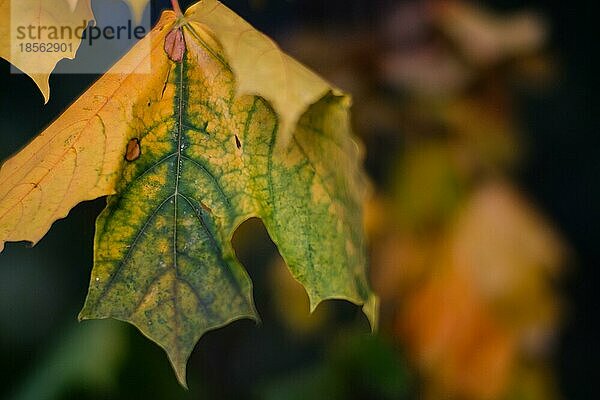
[206,208]
[175,45]
[237,142]
[134,150]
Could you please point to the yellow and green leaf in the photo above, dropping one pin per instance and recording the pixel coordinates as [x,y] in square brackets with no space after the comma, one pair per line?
[186,157]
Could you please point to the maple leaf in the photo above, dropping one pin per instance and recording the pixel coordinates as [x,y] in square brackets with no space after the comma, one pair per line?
[188,154]
[44,14]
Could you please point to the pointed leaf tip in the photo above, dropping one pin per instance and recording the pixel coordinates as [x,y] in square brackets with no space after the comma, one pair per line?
[371,310]
[40,13]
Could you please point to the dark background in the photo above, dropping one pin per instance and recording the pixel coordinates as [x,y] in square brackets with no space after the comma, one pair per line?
[42,288]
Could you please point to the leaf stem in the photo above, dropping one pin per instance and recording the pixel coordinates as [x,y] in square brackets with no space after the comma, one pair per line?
[176,8]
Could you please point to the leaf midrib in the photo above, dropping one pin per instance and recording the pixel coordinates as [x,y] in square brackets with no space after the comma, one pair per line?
[176,198]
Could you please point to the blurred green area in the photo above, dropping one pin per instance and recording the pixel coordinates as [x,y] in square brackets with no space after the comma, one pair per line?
[461,143]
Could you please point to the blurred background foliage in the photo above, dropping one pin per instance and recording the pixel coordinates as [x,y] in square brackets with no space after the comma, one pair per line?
[481,144]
